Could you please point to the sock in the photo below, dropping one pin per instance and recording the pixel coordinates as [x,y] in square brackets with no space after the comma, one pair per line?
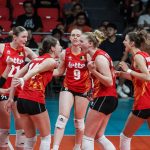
[87,143]
[106,144]
[77,147]
[55,147]
[124,142]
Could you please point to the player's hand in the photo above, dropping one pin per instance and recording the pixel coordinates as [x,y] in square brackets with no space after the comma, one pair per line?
[123,66]
[10,61]
[8,105]
[91,66]
[4,91]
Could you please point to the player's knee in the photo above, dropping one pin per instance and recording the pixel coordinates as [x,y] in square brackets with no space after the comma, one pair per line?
[20,138]
[61,122]
[4,137]
[45,143]
[29,143]
[79,124]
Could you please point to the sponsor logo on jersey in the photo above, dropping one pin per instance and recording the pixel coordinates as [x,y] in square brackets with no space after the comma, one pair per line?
[8,52]
[69,58]
[21,54]
[76,65]
[82,58]
[16,60]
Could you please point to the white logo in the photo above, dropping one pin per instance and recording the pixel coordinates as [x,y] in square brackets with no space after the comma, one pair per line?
[8,52]
[76,65]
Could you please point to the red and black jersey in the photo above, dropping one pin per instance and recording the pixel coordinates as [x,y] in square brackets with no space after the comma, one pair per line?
[77,76]
[18,56]
[141,87]
[100,89]
[34,88]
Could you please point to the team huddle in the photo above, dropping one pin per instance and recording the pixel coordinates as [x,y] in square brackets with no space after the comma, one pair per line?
[86,68]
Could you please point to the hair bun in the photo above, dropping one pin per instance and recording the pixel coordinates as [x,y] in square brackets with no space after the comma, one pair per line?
[99,36]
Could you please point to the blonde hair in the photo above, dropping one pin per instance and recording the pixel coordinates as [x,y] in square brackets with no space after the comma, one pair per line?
[97,37]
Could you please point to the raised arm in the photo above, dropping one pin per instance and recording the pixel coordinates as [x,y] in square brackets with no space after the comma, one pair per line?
[61,67]
[47,65]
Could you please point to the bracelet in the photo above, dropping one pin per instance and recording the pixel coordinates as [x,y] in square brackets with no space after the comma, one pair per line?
[129,71]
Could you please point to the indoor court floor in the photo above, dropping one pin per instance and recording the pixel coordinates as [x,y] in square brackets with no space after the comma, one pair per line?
[141,141]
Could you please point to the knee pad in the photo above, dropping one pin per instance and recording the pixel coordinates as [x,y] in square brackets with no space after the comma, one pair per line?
[45,143]
[29,143]
[4,137]
[79,124]
[61,122]
[20,138]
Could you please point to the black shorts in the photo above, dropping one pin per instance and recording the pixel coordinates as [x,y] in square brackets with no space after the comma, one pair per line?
[106,104]
[75,93]
[29,107]
[5,98]
[144,113]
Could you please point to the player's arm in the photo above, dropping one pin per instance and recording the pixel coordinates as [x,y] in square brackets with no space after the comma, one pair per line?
[29,53]
[47,65]
[141,65]
[101,70]
[61,67]
[1,49]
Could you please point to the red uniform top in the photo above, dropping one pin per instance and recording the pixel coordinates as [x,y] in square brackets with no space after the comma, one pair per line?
[77,75]
[18,56]
[34,88]
[141,87]
[100,89]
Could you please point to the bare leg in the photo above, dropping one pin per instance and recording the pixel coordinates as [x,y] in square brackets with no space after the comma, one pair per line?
[81,104]
[132,125]
[66,101]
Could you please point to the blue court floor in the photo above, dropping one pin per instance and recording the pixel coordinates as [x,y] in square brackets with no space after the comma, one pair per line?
[115,124]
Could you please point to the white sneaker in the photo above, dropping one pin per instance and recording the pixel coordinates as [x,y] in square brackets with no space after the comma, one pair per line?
[121,93]
[126,89]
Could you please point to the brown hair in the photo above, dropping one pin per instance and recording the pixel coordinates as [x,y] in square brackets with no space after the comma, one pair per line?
[47,43]
[138,37]
[18,30]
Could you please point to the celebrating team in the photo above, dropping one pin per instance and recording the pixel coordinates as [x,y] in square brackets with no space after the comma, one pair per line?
[86,68]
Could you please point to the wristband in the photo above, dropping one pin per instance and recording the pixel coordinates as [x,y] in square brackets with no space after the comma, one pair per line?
[22,82]
[129,71]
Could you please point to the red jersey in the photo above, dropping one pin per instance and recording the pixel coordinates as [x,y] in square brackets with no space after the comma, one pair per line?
[141,87]
[18,56]
[34,88]
[77,75]
[100,89]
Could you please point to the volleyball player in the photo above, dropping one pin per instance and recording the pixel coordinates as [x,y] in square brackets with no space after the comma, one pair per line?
[74,91]
[18,52]
[140,76]
[33,79]
[104,92]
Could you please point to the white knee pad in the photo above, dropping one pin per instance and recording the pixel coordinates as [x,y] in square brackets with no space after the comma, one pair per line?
[125,142]
[4,137]
[87,143]
[29,143]
[79,124]
[105,143]
[20,138]
[45,143]
[61,122]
